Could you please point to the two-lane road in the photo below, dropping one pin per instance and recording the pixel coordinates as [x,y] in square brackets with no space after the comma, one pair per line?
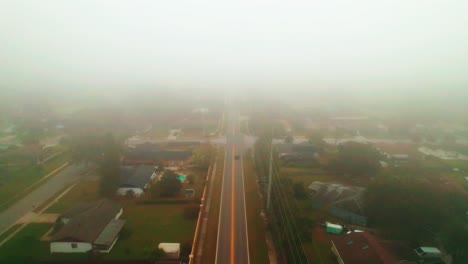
[232,244]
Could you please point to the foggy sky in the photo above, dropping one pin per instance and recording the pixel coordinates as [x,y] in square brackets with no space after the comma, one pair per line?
[344,47]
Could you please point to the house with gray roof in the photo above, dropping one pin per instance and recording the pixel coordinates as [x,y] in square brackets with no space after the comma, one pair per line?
[135,181]
[295,152]
[345,202]
[94,226]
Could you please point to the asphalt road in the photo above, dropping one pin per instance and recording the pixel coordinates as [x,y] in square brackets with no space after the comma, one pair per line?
[232,244]
[37,197]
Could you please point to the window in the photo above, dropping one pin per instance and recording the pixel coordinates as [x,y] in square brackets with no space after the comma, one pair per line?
[74,245]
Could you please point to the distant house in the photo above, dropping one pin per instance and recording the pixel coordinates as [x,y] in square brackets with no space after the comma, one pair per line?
[189,193]
[135,181]
[150,154]
[362,247]
[302,151]
[342,201]
[172,250]
[94,226]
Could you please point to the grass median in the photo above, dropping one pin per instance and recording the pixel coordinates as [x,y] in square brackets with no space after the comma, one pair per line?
[258,249]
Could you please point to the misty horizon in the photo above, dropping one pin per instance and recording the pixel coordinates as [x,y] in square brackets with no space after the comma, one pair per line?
[390,49]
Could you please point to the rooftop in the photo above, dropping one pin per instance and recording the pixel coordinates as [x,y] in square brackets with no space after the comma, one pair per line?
[139,178]
[110,232]
[363,247]
[88,222]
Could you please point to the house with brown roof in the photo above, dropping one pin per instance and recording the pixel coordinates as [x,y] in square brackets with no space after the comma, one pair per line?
[363,247]
[86,227]
[151,154]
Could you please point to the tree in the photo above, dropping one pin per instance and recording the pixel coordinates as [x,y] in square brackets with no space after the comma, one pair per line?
[289,139]
[87,148]
[416,210]
[130,194]
[202,155]
[299,190]
[356,159]
[109,166]
[190,179]
[154,254]
[168,186]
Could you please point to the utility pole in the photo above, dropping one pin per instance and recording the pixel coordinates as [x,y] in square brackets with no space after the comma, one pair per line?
[270,173]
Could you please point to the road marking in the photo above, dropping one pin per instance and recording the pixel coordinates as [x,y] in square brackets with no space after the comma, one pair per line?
[221,206]
[232,205]
[245,214]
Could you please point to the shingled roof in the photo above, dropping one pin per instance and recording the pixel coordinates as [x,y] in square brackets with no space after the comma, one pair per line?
[140,177]
[86,225]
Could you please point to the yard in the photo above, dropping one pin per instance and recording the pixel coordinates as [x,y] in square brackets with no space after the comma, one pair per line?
[86,190]
[148,225]
[26,239]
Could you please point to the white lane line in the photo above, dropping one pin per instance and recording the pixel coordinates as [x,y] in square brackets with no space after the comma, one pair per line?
[221,206]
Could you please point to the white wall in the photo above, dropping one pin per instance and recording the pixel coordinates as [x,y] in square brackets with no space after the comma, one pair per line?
[66,247]
[123,191]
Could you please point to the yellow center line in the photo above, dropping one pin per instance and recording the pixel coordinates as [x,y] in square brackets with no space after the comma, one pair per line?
[232,201]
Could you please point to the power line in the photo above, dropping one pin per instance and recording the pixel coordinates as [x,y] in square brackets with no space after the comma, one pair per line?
[292,216]
[287,224]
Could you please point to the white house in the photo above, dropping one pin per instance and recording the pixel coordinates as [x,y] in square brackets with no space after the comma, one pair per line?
[92,227]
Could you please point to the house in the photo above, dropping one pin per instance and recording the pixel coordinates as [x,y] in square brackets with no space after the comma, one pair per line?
[172,250]
[189,193]
[362,247]
[342,201]
[302,151]
[86,227]
[135,181]
[150,154]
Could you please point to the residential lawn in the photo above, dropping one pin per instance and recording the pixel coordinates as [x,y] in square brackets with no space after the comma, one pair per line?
[25,246]
[84,191]
[258,249]
[148,225]
[14,182]
[309,175]
[9,232]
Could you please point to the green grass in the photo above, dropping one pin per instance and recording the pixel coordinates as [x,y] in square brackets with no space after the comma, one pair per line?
[147,226]
[84,191]
[16,181]
[9,232]
[258,249]
[26,246]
